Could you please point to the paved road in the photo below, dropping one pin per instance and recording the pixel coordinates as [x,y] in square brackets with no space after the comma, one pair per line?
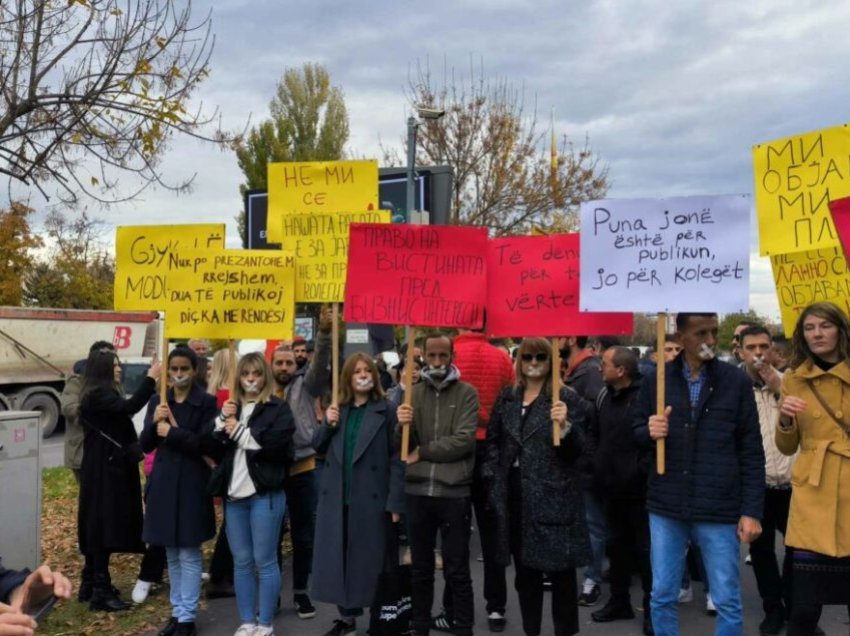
[53,450]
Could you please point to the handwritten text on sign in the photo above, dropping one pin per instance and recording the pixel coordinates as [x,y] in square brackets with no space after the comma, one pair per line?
[142,254]
[532,290]
[231,294]
[320,243]
[322,186]
[417,275]
[677,254]
[795,179]
[809,277]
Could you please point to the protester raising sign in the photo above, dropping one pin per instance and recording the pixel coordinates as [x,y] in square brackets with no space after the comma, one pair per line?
[320,243]
[677,254]
[323,186]
[142,257]
[795,179]
[417,275]
[231,294]
[533,290]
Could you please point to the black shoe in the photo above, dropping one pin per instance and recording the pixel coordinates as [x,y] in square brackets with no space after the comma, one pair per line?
[589,596]
[342,628]
[220,590]
[819,631]
[772,624]
[442,623]
[186,629]
[169,628]
[647,624]
[104,600]
[614,610]
[85,592]
[303,607]
[496,621]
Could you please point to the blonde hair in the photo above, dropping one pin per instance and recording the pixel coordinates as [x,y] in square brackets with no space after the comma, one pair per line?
[257,362]
[220,373]
[346,393]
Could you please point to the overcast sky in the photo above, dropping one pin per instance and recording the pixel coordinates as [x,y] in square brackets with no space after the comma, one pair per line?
[672,94]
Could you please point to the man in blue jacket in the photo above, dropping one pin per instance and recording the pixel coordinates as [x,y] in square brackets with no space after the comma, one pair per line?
[712,492]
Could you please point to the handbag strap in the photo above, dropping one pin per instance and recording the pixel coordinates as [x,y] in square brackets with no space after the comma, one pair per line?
[844,426]
[102,434]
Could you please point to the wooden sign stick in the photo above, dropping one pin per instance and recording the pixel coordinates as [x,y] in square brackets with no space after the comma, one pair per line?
[231,373]
[408,393]
[335,355]
[163,374]
[556,388]
[661,337]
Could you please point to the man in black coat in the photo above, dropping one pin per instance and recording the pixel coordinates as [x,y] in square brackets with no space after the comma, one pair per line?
[712,492]
[620,468]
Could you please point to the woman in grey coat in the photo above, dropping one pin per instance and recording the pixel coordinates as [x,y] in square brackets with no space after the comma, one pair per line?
[362,488]
[533,486]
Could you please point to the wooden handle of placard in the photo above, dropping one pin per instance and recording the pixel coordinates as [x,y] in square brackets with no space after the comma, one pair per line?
[556,388]
[335,354]
[408,394]
[661,337]
[232,379]
[163,373]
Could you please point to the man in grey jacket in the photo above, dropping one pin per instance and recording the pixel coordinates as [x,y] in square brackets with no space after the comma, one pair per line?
[302,387]
[438,482]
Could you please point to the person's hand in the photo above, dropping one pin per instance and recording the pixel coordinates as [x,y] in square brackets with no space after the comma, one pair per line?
[659,424]
[559,414]
[332,415]
[162,413]
[326,319]
[749,529]
[230,425]
[771,377]
[413,457]
[38,587]
[791,406]
[155,369]
[229,408]
[405,414]
[13,622]
[396,517]
[162,428]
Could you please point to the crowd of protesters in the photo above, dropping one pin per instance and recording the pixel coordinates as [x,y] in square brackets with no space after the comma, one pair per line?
[558,466]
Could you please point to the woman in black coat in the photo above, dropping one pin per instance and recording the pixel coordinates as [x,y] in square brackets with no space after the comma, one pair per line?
[179,513]
[110,506]
[533,486]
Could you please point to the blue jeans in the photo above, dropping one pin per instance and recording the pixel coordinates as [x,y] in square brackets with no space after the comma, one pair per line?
[598,530]
[720,549]
[253,528]
[184,572]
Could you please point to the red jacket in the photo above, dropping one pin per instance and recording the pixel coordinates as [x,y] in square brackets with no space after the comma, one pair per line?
[487,368]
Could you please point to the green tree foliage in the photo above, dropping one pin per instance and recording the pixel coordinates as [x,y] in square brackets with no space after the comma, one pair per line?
[726,328]
[308,122]
[17,243]
[78,272]
[91,90]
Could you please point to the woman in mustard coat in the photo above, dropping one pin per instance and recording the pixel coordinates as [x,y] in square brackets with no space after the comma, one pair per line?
[815,419]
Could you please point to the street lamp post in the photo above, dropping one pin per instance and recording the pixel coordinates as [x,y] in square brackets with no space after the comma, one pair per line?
[412,125]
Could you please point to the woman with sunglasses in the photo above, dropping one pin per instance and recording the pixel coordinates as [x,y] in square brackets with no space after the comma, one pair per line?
[533,488]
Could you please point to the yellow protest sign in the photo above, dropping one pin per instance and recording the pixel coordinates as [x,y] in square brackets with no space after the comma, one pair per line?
[795,179]
[231,294]
[803,278]
[142,253]
[320,244]
[319,186]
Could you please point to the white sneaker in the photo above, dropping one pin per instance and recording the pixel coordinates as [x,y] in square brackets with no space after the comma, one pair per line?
[245,629]
[141,591]
[686,595]
[587,586]
[709,606]
[259,630]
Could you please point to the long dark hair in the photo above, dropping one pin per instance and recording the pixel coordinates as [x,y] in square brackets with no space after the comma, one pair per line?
[800,351]
[100,371]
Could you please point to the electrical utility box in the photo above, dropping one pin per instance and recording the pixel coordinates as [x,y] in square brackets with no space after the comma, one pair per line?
[20,489]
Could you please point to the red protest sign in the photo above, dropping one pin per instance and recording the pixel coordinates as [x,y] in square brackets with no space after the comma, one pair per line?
[840,209]
[416,275]
[533,290]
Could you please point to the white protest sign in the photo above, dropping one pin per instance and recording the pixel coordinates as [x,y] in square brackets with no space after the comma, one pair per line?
[676,254]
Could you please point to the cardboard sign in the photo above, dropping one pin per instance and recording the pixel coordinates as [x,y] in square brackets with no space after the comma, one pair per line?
[677,254]
[142,255]
[320,244]
[795,179]
[321,186]
[533,290]
[417,275]
[231,294]
[803,278]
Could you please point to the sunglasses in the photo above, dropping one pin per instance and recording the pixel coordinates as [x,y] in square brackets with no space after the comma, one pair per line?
[539,357]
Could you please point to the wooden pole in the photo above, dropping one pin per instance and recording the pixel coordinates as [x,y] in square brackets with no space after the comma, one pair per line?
[556,388]
[408,393]
[335,354]
[163,374]
[661,337]
[231,379]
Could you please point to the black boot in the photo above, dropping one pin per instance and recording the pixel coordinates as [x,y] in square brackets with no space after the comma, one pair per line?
[104,598]
[614,610]
[84,593]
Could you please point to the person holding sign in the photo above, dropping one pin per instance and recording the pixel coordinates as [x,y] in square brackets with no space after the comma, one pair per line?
[179,513]
[438,482]
[813,420]
[712,492]
[362,485]
[254,449]
[533,488]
